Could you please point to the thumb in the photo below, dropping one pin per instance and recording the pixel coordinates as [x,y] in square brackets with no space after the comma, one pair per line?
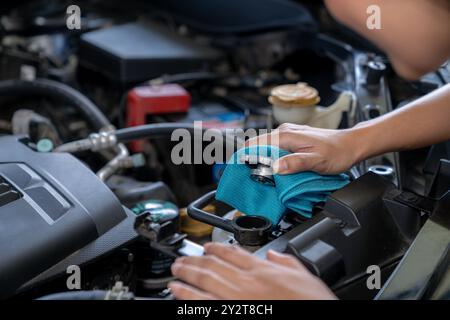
[286,260]
[294,163]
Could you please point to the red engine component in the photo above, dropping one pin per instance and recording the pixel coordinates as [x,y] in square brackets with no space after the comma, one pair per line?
[150,100]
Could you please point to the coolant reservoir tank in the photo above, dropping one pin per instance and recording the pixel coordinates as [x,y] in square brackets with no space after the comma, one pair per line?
[297,103]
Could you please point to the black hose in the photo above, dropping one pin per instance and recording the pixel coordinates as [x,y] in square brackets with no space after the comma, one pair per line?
[152,130]
[86,295]
[58,91]
[161,130]
[76,295]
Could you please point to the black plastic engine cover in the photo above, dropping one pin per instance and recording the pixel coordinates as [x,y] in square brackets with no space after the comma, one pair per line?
[51,205]
[135,52]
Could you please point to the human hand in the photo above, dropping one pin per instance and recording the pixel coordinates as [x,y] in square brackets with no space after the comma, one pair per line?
[324,151]
[229,272]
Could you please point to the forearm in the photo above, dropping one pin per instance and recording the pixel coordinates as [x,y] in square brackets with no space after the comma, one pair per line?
[423,122]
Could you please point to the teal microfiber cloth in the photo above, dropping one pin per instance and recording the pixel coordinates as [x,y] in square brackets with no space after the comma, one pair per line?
[298,192]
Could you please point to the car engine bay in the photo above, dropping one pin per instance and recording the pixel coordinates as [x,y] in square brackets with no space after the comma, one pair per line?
[87,115]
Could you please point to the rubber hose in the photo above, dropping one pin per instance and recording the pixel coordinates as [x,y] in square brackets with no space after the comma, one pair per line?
[86,295]
[76,295]
[151,130]
[158,130]
[58,91]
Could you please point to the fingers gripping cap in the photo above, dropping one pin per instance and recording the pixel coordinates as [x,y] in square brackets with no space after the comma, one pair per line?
[298,192]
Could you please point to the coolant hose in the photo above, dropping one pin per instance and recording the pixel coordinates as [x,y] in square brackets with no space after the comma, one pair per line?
[152,130]
[58,91]
[166,129]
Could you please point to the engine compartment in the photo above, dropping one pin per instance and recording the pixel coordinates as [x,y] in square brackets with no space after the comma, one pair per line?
[87,117]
